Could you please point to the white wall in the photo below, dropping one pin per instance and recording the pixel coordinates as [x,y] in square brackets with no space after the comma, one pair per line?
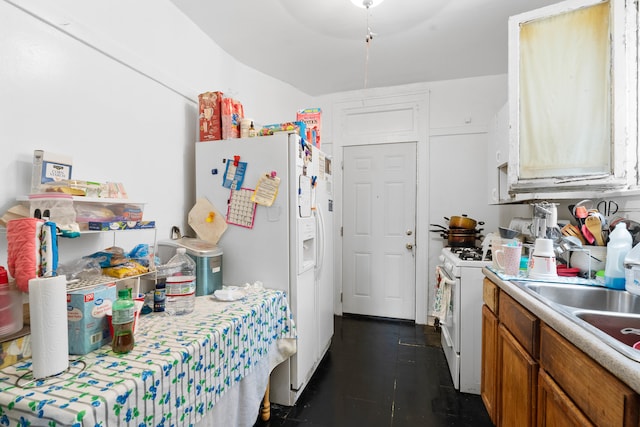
[115,85]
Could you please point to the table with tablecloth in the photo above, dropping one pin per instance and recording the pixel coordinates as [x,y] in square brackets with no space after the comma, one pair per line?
[178,373]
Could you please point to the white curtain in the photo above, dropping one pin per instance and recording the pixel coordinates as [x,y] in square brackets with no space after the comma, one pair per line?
[565,94]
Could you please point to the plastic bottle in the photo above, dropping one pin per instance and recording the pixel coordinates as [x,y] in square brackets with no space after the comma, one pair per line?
[180,297]
[186,263]
[159,296]
[180,293]
[619,246]
[632,270]
[122,318]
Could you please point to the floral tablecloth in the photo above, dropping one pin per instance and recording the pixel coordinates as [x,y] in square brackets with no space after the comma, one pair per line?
[178,370]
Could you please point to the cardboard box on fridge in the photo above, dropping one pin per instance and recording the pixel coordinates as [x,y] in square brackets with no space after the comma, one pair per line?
[210,113]
[87,320]
[312,118]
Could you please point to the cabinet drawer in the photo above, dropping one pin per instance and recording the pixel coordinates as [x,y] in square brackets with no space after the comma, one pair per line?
[490,295]
[524,326]
[600,395]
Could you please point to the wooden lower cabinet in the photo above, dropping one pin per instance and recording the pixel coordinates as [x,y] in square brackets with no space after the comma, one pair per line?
[555,408]
[488,379]
[599,395]
[517,382]
[533,376]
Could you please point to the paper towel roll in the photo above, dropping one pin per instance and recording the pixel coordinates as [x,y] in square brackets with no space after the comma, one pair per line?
[49,333]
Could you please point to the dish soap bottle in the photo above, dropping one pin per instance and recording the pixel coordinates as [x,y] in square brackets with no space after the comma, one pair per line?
[617,249]
[122,318]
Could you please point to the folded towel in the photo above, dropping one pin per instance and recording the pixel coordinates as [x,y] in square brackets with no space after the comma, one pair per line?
[442,295]
[23,250]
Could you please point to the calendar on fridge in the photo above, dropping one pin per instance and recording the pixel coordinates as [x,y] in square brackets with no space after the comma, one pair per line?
[241,210]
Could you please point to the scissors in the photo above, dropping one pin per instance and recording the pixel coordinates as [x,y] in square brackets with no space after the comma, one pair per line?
[630,331]
[607,208]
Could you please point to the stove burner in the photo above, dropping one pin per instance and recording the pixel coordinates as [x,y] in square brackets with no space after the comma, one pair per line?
[468,253]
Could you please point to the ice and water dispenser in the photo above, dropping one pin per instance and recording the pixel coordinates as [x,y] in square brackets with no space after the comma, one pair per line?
[208,258]
[306,244]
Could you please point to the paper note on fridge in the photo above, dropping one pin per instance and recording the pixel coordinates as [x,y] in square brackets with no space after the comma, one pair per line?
[266,190]
[304,196]
[234,174]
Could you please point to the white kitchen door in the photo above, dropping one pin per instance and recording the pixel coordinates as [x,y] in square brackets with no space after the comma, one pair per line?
[379,222]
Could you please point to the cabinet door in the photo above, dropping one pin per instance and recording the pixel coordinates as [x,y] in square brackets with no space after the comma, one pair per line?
[489,375]
[570,71]
[555,408]
[599,394]
[517,382]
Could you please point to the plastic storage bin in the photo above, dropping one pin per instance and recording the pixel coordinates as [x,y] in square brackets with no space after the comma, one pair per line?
[208,258]
[11,320]
[56,207]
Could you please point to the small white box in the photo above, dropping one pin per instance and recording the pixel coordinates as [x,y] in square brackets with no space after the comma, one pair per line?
[49,167]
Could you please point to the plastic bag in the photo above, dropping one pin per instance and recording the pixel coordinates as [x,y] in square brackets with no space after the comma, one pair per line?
[127,269]
[110,257]
[140,253]
[81,269]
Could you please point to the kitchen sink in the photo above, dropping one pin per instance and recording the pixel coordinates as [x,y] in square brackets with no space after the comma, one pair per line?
[587,297]
[611,315]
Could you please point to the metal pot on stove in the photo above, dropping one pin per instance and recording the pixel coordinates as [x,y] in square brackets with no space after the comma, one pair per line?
[463,222]
[459,237]
[462,238]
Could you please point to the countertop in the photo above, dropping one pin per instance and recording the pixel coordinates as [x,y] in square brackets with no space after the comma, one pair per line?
[627,370]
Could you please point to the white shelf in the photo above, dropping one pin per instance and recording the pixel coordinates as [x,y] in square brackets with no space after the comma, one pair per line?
[102,280]
[101,200]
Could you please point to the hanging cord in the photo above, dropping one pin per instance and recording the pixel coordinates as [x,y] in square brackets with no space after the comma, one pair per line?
[367,40]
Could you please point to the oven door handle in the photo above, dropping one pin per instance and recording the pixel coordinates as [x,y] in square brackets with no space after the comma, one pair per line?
[441,273]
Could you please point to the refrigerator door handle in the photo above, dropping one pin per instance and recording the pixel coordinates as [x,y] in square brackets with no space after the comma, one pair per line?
[320,241]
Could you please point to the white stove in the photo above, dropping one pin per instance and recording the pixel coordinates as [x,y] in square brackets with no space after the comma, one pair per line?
[461,273]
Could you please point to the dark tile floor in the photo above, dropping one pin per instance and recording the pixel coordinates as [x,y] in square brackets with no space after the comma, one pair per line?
[384,373]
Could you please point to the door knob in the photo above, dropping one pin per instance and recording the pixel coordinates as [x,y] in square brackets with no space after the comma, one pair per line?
[409,246]
[409,232]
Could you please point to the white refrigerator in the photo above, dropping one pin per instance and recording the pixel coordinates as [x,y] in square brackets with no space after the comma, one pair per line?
[284,242]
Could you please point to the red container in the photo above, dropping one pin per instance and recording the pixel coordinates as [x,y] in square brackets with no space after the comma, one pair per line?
[11,320]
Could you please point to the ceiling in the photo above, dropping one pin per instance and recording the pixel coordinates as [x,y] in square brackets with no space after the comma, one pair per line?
[320,46]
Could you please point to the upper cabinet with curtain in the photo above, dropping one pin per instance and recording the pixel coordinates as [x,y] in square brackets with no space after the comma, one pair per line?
[573,100]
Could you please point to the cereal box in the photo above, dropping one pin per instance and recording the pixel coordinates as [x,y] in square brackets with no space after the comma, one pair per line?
[86,315]
[312,117]
[210,112]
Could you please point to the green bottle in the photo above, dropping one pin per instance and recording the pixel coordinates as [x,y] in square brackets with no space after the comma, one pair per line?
[122,318]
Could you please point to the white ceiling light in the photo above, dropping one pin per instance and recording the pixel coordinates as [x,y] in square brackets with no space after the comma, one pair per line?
[366,3]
